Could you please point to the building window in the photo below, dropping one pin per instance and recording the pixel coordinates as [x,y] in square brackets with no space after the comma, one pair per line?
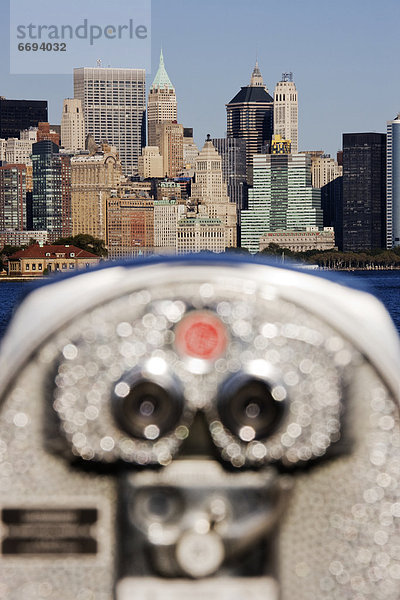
[40,266]
[27,267]
[72,266]
[33,267]
[64,265]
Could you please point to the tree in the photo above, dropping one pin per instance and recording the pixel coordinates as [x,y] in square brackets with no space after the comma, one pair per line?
[85,242]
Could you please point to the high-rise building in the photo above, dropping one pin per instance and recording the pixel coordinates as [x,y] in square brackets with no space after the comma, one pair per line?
[324,169]
[130,227]
[282,198]
[151,163]
[16,115]
[233,156]
[250,116]
[210,191]
[19,151]
[94,179]
[286,111]
[326,174]
[199,232]
[364,191]
[169,136]
[114,107]
[72,125]
[66,194]
[47,194]
[3,146]
[393,183]
[44,132]
[12,197]
[190,150]
[161,105]
[167,213]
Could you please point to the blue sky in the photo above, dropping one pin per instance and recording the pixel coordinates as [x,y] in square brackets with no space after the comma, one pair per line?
[344,56]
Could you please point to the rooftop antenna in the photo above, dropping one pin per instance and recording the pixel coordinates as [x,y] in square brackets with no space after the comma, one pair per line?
[287,76]
[98,62]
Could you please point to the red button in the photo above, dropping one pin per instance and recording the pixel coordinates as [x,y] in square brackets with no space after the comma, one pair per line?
[201,335]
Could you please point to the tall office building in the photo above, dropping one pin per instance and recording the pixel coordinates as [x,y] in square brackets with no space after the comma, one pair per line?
[72,125]
[364,191]
[210,191]
[393,183]
[19,151]
[233,156]
[94,179]
[169,139]
[326,174]
[190,150]
[13,197]
[16,115]
[47,193]
[161,105]
[151,163]
[130,226]
[114,107]
[167,213]
[250,116]
[45,132]
[282,198]
[286,111]
[199,232]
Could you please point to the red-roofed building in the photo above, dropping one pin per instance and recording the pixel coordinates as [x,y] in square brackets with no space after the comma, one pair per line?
[39,259]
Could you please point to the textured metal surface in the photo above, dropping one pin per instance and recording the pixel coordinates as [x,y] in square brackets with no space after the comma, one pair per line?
[308,361]
[338,439]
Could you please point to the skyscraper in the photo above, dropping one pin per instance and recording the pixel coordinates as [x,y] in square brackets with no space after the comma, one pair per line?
[169,139]
[130,226]
[12,197]
[47,192]
[16,115]
[114,106]
[210,192]
[282,198]
[233,156]
[364,191]
[250,116]
[161,105]
[327,175]
[393,183]
[72,125]
[94,179]
[286,110]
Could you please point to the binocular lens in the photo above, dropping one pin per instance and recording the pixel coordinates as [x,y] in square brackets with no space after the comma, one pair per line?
[248,408]
[148,409]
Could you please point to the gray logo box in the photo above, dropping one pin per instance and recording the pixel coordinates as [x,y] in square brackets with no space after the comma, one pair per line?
[54,36]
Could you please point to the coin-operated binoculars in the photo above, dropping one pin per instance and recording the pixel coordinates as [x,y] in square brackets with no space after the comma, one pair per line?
[199,428]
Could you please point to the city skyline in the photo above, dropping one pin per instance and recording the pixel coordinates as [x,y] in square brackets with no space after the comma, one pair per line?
[343,57]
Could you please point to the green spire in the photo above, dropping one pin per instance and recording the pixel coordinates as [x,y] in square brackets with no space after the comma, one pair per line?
[161,80]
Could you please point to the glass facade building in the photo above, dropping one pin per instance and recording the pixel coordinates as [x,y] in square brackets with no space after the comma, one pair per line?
[393,183]
[282,198]
[47,204]
[364,191]
[12,197]
[16,115]
[250,117]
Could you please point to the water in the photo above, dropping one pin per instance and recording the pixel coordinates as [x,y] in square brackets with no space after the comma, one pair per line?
[384,284]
